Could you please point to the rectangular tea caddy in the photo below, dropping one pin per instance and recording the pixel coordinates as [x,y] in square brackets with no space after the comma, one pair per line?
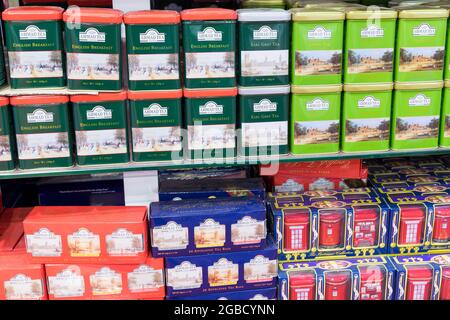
[6,139]
[317,42]
[315,118]
[93,49]
[42,131]
[209,43]
[264,41]
[369,45]
[153,45]
[35,47]
[366,117]
[100,123]
[415,116]
[156,122]
[420,49]
[263,120]
[444,135]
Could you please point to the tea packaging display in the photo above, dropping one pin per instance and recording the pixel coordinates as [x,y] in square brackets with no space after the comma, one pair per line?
[257,294]
[6,136]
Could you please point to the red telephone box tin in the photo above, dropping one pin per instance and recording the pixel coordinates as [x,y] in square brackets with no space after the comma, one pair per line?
[296,231]
[418,285]
[445,284]
[302,286]
[411,225]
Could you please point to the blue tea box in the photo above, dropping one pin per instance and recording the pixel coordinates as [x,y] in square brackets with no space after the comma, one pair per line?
[362,278]
[204,173]
[194,226]
[224,272]
[215,188]
[258,294]
[412,192]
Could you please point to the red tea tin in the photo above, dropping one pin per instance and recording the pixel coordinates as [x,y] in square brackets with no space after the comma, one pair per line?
[302,286]
[365,227]
[418,283]
[411,225]
[337,285]
[441,228]
[445,284]
[330,229]
[296,231]
[372,283]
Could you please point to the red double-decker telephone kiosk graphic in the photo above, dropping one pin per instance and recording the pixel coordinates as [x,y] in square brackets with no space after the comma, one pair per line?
[296,230]
[302,286]
[418,282]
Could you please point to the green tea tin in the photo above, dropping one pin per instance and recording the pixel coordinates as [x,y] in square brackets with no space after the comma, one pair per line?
[317,41]
[315,119]
[274,4]
[209,43]
[369,46]
[156,122]
[264,41]
[415,116]
[6,141]
[366,117]
[100,123]
[420,49]
[210,119]
[153,45]
[444,136]
[263,120]
[42,131]
[35,47]
[93,49]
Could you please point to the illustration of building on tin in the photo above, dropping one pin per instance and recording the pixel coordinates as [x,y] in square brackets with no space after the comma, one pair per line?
[370,60]
[315,132]
[421,59]
[222,273]
[105,281]
[211,136]
[264,134]
[265,63]
[357,130]
[318,62]
[408,128]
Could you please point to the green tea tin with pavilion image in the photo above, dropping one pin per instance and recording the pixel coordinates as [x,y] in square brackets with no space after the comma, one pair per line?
[263,120]
[42,131]
[209,43]
[444,136]
[100,123]
[415,116]
[315,118]
[33,38]
[6,141]
[156,122]
[93,48]
[210,119]
[153,45]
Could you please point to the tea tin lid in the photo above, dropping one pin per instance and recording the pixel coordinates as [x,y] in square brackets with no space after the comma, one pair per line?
[331,217]
[368,87]
[365,214]
[205,93]
[208,14]
[296,218]
[366,13]
[105,96]
[152,17]
[423,13]
[93,15]
[264,90]
[317,89]
[32,13]
[304,278]
[419,85]
[412,213]
[442,211]
[316,14]
[337,278]
[419,273]
[4,101]
[157,94]
[38,99]
[263,14]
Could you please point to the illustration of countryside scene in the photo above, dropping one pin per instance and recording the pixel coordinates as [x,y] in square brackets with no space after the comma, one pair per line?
[5,150]
[86,66]
[153,66]
[316,132]
[264,63]
[408,128]
[447,126]
[357,130]
[421,59]
[101,142]
[210,65]
[370,60]
[43,145]
[318,62]
[212,136]
[35,64]
[156,139]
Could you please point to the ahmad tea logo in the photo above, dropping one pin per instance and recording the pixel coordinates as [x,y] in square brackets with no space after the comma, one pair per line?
[318,104]
[265,105]
[369,102]
[420,100]
[32,33]
[265,33]
[92,35]
[372,31]
[209,34]
[99,113]
[152,36]
[424,30]
[155,110]
[39,116]
[211,108]
[319,32]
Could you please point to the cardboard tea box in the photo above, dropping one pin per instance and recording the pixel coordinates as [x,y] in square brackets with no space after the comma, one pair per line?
[95,234]
[264,41]
[6,139]
[33,38]
[369,45]
[367,115]
[156,120]
[221,173]
[210,119]
[42,131]
[221,272]
[420,49]
[93,49]
[153,45]
[100,123]
[315,118]
[10,234]
[106,281]
[415,116]
[444,136]
[197,226]
[263,120]
[317,42]
[209,44]
[257,294]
